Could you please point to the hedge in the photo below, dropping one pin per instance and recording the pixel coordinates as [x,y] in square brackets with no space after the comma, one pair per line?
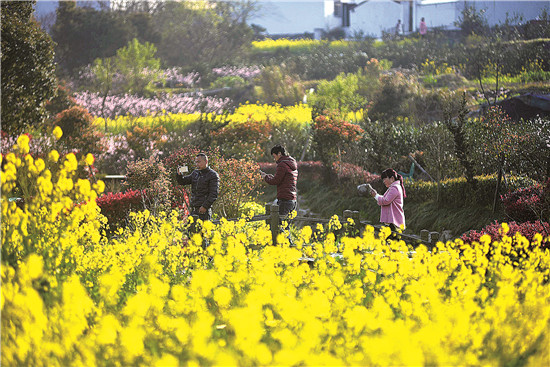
[456,192]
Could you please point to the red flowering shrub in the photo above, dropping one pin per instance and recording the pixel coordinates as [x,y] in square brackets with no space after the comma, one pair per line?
[529,203]
[350,175]
[150,174]
[180,199]
[353,173]
[239,182]
[310,170]
[79,135]
[527,229]
[116,206]
[141,173]
[247,139]
[332,137]
[145,141]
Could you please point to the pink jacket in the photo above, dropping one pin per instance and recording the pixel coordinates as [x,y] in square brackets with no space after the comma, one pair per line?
[423,28]
[391,204]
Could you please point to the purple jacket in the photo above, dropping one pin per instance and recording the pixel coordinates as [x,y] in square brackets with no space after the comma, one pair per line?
[391,205]
[285,178]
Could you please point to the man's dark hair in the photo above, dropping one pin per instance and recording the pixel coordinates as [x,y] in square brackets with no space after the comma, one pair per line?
[202,155]
[278,149]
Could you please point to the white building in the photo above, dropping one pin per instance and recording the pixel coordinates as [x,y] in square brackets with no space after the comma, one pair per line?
[372,17]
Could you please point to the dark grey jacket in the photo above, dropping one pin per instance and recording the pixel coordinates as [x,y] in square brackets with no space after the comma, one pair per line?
[204,186]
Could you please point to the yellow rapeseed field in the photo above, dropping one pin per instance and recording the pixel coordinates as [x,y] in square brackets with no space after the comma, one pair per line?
[299,115]
[151,296]
[296,45]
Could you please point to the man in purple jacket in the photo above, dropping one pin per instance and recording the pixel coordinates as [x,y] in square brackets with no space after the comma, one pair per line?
[285,178]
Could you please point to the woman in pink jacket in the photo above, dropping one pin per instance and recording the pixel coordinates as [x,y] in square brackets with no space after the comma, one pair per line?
[391,203]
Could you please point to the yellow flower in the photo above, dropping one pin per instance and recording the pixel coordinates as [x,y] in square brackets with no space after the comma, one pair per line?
[108,330]
[222,296]
[90,159]
[167,360]
[505,228]
[70,164]
[35,266]
[53,156]
[23,143]
[57,133]
[131,339]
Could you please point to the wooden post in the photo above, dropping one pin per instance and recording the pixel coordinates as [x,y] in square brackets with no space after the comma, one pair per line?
[273,211]
[356,218]
[425,236]
[434,237]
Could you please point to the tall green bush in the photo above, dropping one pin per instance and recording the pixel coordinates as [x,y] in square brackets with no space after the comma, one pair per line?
[28,69]
[342,94]
[277,85]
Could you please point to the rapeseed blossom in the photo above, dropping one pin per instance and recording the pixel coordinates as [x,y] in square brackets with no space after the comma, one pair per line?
[149,295]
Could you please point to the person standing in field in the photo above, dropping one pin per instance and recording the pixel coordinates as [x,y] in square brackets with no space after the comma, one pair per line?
[398,28]
[285,178]
[423,28]
[204,183]
[391,203]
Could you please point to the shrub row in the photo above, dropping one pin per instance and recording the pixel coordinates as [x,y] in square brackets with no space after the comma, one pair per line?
[456,192]
[116,206]
[529,203]
[527,229]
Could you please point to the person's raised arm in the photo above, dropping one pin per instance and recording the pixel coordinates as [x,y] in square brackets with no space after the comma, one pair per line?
[183,180]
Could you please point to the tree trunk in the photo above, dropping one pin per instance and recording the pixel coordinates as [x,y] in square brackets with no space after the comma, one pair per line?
[103,109]
[499,179]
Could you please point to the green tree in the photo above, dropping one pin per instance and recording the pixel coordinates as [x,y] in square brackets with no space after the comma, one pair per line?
[201,34]
[499,138]
[457,123]
[104,82]
[138,65]
[83,34]
[28,70]
[472,21]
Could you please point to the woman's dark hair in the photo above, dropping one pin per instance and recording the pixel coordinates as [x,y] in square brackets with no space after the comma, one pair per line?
[278,149]
[388,173]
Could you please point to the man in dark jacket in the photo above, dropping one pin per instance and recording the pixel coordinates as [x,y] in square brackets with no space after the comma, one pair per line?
[285,178]
[204,187]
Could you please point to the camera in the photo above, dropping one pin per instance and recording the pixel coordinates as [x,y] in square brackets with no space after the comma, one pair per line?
[364,189]
[182,170]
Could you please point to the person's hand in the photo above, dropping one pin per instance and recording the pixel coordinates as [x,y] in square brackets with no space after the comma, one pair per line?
[373,193]
[202,210]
